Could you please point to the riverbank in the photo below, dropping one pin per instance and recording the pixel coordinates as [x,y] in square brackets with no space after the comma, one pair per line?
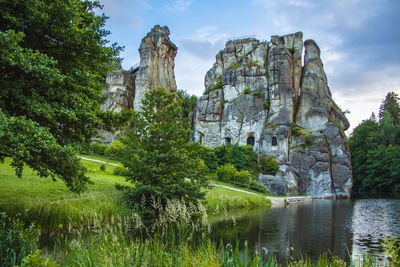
[53,207]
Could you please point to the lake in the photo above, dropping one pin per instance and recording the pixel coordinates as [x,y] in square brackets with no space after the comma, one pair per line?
[339,226]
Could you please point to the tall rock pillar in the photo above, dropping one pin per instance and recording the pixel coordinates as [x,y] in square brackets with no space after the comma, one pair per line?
[157,55]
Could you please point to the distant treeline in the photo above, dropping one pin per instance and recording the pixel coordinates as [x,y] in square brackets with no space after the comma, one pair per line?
[375,150]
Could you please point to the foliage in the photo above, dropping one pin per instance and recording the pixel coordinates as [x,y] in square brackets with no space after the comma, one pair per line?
[246,90]
[235,66]
[242,157]
[158,154]
[188,103]
[391,248]
[114,150]
[102,167]
[53,65]
[259,186]
[257,93]
[375,153]
[391,104]
[217,85]
[267,105]
[308,140]
[16,241]
[98,148]
[242,177]
[35,260]
[268,164]
[226,172]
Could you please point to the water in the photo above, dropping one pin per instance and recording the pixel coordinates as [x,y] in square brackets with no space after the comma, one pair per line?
[343,227]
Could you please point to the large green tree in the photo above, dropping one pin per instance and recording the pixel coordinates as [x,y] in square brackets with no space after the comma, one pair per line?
[158,154]
[53,62]
[375,151]
[392,106]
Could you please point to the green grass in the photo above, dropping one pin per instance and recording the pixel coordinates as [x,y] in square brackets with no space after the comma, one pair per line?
[237,187]
[52,206]
[221,198]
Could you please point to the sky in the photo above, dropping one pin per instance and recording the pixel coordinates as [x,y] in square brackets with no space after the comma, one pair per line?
[359,39]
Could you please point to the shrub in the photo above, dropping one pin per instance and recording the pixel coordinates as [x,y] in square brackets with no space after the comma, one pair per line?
[267,105]
[242,177]
[258,186]
[226,172]
[246,90]
[216,86]
[16,242]
[35,260]
[242,157]
[102,167]
[120,171]
[308,140]
[257,93]
[269,165]
[98,148]
[114,150]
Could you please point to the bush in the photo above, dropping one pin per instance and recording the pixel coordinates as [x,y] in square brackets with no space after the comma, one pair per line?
[242,157]
[35,260]
[242,177]
[257,93]
[246,90]
[226,172]
[102,167]
[120,171]
[258,186]
[269,165]
[114,150]
[16,242]
[98,148]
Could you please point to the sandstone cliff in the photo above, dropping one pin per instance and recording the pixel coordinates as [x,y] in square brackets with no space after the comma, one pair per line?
[259,93]
[126,89]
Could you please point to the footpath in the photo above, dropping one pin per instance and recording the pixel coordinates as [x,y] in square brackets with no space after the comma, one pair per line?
[275,201]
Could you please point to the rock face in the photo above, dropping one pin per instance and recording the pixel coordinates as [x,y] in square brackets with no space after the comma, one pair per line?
[126,89]
[259,94]
[157,55]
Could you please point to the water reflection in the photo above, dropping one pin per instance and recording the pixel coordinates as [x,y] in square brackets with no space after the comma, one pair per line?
[340,226]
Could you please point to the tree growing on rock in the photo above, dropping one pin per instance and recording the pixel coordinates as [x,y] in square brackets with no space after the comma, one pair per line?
[53,62]
[158,155]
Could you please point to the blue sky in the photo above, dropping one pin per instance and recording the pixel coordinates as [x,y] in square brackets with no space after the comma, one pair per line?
[359,39]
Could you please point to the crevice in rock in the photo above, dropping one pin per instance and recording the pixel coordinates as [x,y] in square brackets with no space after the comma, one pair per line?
[330,164]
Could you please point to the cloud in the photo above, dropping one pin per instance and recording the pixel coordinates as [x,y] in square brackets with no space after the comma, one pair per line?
[178,5]
[359,48]
[196,55]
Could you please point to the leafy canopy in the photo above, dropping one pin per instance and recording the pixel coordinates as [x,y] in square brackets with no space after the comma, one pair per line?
[53,62]
[158,154]
[375,151]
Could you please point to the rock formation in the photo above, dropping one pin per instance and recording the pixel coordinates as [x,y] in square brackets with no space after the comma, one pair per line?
[126,89]
[157,55]
[258,93]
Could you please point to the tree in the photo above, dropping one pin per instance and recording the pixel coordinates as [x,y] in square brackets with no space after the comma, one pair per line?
[157,152]
[392,106]
[53,62]
[188,104]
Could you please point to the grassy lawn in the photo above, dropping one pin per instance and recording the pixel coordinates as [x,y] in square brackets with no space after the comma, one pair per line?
[52,206]
[222,198]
